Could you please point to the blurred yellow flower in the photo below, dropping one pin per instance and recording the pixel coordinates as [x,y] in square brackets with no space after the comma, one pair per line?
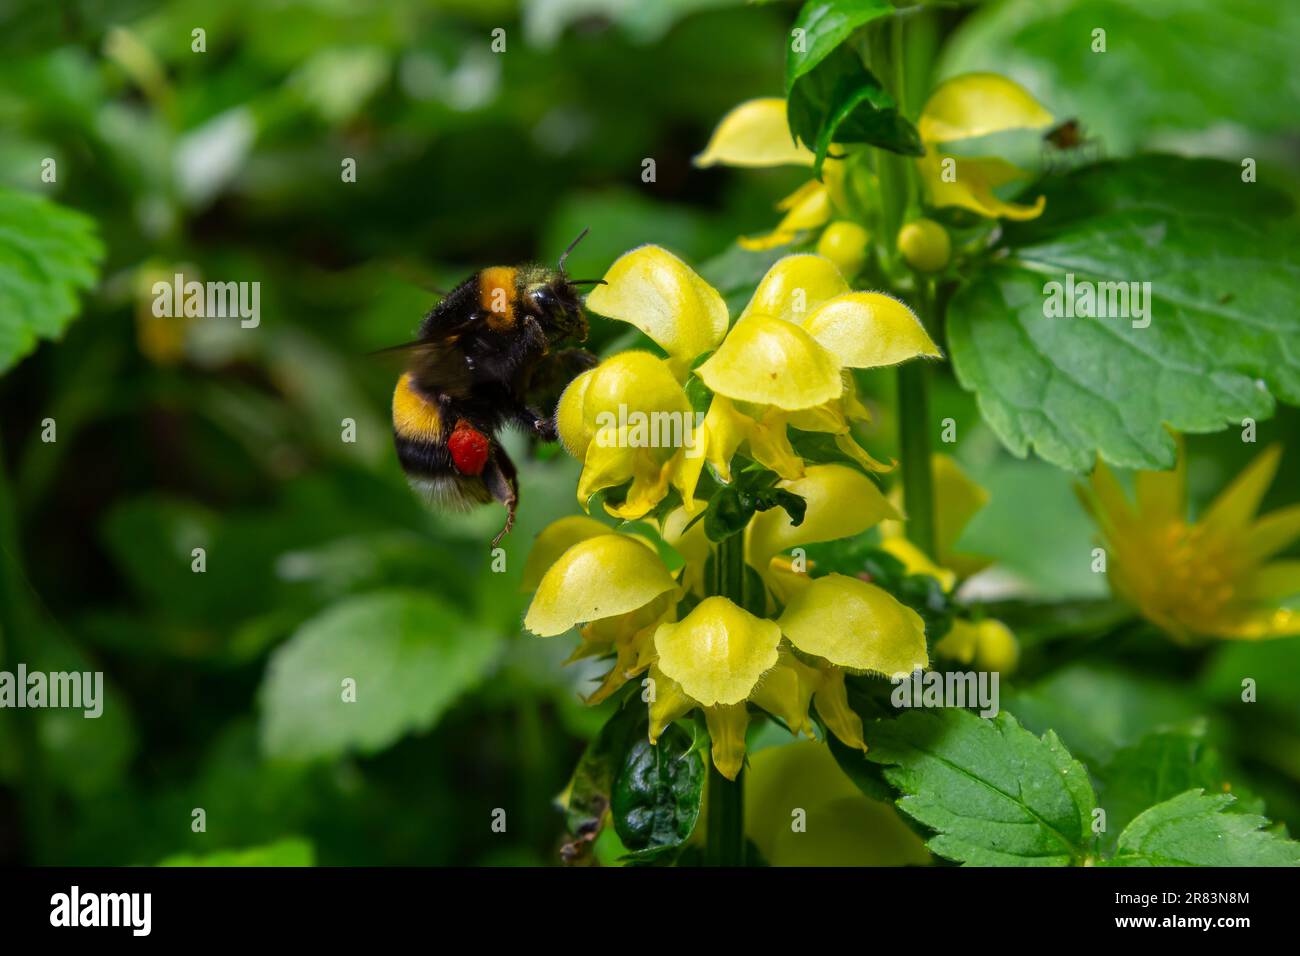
[957,499]
[967,107]
[1209,578]
[756,134]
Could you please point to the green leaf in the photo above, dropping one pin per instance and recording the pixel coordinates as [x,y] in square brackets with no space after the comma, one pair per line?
[590,790]
[842,101]
[410,655]
[825,25]
[291,851]
[657,795]
[1183,74]
[1221,277]
[996,794]
[1159,766]
[1193,829]
[1098,709]
[47,253]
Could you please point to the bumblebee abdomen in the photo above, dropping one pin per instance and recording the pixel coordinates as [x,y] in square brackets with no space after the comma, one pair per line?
[415,415]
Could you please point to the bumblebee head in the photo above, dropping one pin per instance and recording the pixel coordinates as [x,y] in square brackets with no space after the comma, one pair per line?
[557,306]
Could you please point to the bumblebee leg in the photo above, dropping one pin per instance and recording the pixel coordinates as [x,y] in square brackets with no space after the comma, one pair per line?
[500,478]
[548,381]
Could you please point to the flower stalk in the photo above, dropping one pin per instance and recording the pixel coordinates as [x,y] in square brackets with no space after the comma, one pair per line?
[725,844]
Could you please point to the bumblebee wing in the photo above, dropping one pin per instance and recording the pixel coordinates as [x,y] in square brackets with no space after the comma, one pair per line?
[438,365]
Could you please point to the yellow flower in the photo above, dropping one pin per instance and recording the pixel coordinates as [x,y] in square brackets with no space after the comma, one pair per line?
[966,107]
[956,500]
[784,362]
[628,419]
[719,657]
[839,502]
[988,644]
[612,586]
[757,134]
[1207,578]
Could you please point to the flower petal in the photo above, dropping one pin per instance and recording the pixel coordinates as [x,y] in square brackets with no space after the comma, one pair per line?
[575,436]
[786,692]
[727,725]
[597,578]
[794,286]
[977,104]
[770,362]
[841,502]
[755,133]
[832,702]
[957,499]
[556,538]
[1231,512]
[662,296]
[869,330]
[668,702]
[809,207]
[718,652]
[972,187]
[855,625]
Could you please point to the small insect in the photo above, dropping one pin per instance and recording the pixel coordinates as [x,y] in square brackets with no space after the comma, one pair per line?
[486,357]
[1069,137]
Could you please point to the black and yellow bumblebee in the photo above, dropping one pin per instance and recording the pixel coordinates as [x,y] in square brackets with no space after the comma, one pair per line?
[486,357]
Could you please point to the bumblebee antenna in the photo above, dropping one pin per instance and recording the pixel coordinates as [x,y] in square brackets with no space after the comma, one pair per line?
[565,254]
[588,282]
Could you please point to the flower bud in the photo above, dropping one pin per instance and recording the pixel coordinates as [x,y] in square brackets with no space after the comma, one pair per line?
[925,245]
[845,244]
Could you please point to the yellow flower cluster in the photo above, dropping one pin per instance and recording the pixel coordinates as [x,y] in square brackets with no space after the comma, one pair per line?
[784,363]
[756,134]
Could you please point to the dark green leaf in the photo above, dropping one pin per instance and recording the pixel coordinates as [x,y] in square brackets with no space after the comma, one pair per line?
[1220,276]
[825,25]
[995,794]
[841,101]
[1193,829]
[657,795]
[589,793]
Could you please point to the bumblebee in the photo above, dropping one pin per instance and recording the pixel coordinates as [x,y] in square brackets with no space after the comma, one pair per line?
[486,357]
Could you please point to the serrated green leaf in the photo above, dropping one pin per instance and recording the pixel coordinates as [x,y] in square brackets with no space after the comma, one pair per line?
[995,794]
[1221,322]
[1193,829]
[1159,766]
[47,254]
[590,789]
[825,25]
[410,655]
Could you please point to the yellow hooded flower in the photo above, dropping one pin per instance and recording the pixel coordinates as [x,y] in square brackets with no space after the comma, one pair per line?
[784,362]
[613,587]
[988,644]
[756,134]
[966,107]
[628,419]
[1208,578]
[839,502]
[719,657]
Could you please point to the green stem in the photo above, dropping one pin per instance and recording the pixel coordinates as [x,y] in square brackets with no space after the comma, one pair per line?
[726,825]
[726,810]
[15,620]
[897,187]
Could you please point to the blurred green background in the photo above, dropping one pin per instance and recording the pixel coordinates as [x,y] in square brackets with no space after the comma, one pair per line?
[174,435]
